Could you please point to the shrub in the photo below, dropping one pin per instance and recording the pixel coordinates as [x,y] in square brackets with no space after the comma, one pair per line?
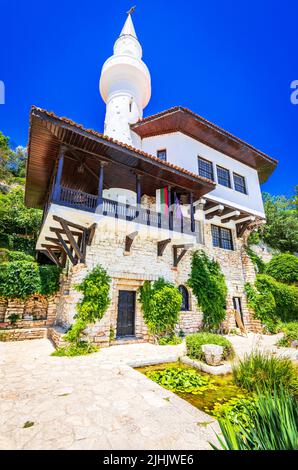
[95,288]
[161,304]
[169,340]
[290,331]
[182,380]
[7,255]
[272,300]
[79,349]
[209,287]
[20,279]
[260,371]
[286,297]
[273,425]
[283,268]
[194,343]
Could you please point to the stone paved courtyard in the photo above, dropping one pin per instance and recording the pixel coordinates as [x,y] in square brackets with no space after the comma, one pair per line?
[93,402]
[99,401]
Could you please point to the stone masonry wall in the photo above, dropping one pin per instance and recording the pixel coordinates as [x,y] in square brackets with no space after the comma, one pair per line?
[129,270]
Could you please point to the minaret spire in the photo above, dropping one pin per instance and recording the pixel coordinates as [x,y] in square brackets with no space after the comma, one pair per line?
[125,84]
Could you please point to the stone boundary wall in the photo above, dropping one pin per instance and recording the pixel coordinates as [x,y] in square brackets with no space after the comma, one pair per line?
[19,334]
[35,312]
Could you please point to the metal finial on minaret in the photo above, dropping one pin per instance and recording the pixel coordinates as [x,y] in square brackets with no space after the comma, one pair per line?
[129,12]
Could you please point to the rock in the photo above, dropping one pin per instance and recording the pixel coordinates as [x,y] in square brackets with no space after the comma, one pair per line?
[294,344]
[213,354]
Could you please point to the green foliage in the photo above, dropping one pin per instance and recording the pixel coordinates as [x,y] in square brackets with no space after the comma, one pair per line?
[172,339]
[281,228]
[290,331]
[181,380]
[95,289]
[20,279]
[283,268]
[273,425]
[7,255]
[13,318]
[194,343]
[209,287]
[258,263]
[75,349]
[49,279]
[161,304]
[236,410]
[272,301]
[259,372]
[264,307]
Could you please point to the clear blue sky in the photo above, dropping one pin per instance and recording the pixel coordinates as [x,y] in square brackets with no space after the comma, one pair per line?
[231,62]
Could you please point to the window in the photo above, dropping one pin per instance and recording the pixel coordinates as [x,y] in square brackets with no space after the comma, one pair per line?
[162,154]
[223,176]
[205,168]
[222,237]
[239,183]
[185,298]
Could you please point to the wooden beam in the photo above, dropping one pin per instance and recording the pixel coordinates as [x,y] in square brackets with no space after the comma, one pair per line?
[72,240]
[66,249]
[161,246]
[129,240]
[178,257]
[249,218]
[209,213]
[229,216]
[241,228]
[51,253]
[71,224]
[54,240]
[91,232]
[60,230]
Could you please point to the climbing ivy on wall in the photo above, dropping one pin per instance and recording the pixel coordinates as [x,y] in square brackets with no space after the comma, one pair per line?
[161,304]
[209,286]
[94,303]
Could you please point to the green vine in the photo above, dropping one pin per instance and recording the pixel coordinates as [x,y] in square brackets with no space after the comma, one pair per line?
[95,289]
[161,304]
[209,286]
[258,263]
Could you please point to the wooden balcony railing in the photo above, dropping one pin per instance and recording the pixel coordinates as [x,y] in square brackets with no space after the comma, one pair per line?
[88,202]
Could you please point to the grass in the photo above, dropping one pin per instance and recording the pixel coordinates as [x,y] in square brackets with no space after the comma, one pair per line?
[169,340]
[290,331]
[194,343]
[261,372]
[273,424]
[76,349]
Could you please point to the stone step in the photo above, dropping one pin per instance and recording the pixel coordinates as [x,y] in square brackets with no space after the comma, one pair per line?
[128,340]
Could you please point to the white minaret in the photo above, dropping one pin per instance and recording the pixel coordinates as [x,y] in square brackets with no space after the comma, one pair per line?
[125,85]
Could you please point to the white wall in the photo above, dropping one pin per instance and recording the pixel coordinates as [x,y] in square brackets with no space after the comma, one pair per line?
[184,151]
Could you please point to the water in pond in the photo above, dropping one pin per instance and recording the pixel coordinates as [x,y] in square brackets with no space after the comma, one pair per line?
[224,388]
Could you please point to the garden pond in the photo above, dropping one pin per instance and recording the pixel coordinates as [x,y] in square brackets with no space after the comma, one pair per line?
[204,391]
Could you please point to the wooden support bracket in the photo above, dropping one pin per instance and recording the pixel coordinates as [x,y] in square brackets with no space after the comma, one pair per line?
[179,251]
[129,241]
[161,246]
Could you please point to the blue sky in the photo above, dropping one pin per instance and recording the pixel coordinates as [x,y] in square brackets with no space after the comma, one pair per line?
[231,62]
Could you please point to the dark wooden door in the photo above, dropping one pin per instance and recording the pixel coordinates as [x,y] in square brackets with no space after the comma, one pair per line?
[126,313]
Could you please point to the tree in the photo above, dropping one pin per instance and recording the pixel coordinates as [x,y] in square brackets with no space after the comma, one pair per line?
[4,155]
[281,228]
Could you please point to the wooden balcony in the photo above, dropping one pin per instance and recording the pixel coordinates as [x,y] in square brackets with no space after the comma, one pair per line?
[107,207]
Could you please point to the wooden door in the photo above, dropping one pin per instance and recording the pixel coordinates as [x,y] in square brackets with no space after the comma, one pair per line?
[126,313]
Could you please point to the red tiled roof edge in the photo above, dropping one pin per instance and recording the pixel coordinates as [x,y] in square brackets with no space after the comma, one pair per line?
[117,142]
[209,123]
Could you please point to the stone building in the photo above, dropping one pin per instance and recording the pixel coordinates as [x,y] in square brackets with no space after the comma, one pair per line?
[139,198]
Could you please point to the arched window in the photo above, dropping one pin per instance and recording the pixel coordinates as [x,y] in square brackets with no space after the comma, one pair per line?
[185,298]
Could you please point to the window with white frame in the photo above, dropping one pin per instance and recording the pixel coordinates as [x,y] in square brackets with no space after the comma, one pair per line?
[239,183]
[205,168]
[223,176]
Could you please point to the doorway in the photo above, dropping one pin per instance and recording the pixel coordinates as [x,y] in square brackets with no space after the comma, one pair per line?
[126,313]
